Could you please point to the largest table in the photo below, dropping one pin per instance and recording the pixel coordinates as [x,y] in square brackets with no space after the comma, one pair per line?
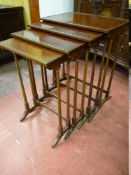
[60,40]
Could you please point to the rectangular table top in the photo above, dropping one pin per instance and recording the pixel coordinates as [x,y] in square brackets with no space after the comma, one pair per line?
[48,40]
[88,21]
[67,31]
[41,55]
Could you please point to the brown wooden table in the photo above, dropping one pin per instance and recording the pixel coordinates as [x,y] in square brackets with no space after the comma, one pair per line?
[88,21]
[76,26]
[102,24]
[60,41]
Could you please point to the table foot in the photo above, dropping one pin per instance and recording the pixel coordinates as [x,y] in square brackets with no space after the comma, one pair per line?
[82,122]
[24,116]
[90,117]
[28,112]
[93,112]
[59,136]
[72,127]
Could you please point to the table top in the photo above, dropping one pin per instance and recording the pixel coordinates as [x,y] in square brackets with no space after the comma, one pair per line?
[67,31]
[41,55]
[48,40]
[88,21]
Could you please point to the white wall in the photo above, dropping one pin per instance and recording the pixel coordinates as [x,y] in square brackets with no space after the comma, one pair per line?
[52,7]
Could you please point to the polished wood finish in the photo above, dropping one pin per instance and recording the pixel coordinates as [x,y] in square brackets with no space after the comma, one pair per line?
[92,81]
[105,71]
[75,92]
[34,45]
[33,86]
[101,72]
[68,94]
[31,51]
[43,80]
[26,104]
[112,8]
[114,65]
[34,10]
[60,128]
[84,84]
[112,27]
[88,21]
[75,33]
[50,41]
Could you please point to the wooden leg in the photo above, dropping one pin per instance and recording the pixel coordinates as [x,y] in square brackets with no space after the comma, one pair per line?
[63,72]
[33,78]
[105,72]
[54,77]
[26,104]
[60,130]
[88,109]
[91,82]
[100,102]
[74,119]
[68,93]
[31,82]
[43,81]
[82,120]
[84,83]
[46,79]
[100,73]
[113,67]
[97,108]
[75,93]
[60,126]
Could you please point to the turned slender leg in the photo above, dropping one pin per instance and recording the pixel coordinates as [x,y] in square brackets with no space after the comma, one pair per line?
[68,93]
[90,88]
[31,82]
[43,81]
[100,73]
[46,79]
[63,72]
[75,93]
[60,126]
[91,82]
[113,67]
[33,78]
[84,83]
[105,72]
[83,118]
[26,104]
[74,119]
[54,77]
[60,130]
